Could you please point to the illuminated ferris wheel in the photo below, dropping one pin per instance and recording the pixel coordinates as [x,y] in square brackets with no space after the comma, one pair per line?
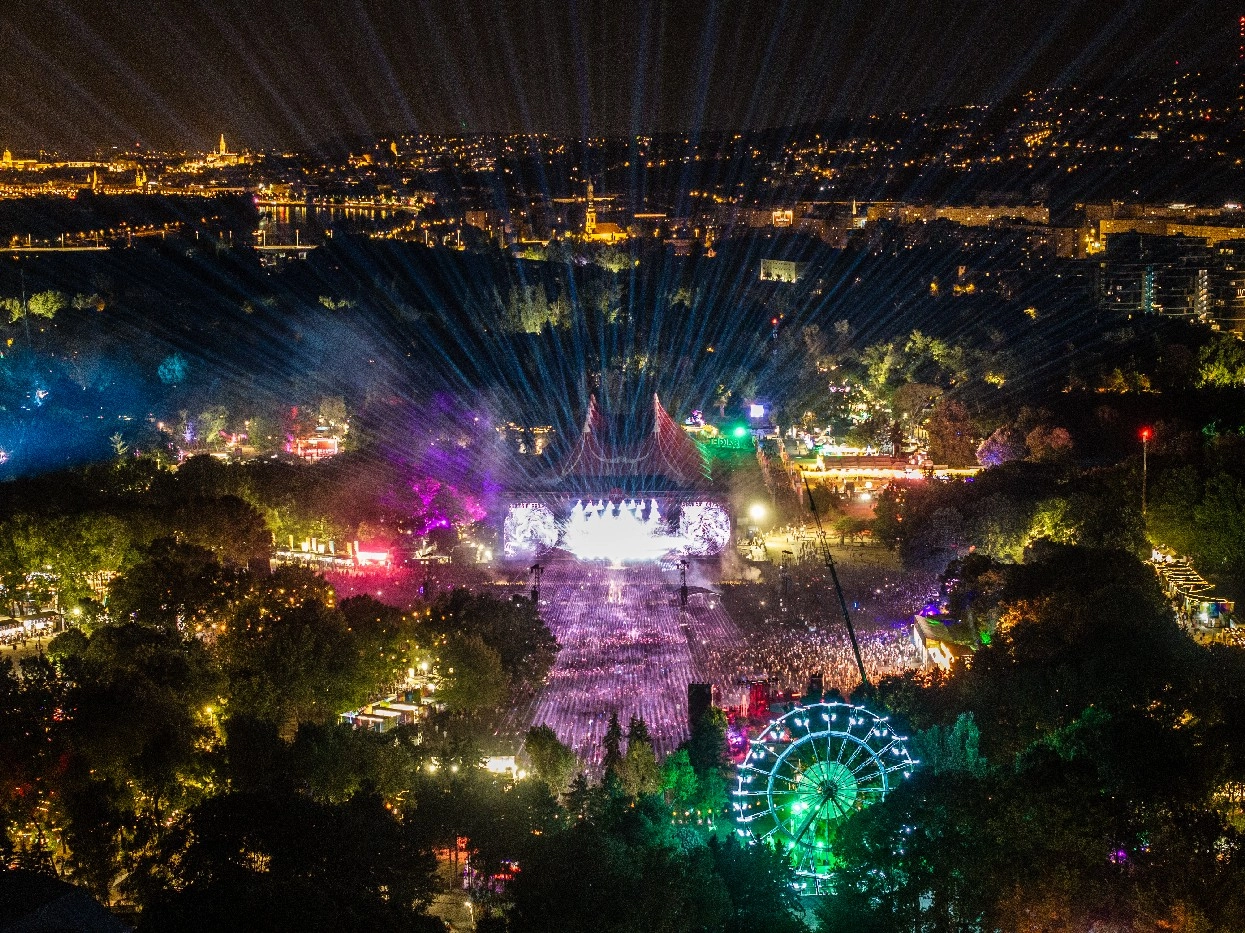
[807,771]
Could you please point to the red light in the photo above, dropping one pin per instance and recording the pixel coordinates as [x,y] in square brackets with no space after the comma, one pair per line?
[1146,434]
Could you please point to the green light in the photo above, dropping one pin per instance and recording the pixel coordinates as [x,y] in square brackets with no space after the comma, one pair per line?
[740,431]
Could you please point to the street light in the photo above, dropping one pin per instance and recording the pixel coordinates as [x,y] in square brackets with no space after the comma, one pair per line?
[1146,434]
[756,511]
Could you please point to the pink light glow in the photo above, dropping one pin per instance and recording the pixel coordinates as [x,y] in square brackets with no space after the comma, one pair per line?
[371,558]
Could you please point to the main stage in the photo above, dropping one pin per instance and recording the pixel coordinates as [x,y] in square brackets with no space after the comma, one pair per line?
[625,494]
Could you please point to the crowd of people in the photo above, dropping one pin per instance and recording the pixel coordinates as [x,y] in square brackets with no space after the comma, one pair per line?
[629,647]
[624,650]
[404,586]
[787,655]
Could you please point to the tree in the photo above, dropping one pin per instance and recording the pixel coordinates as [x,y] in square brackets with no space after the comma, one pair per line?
[879,361]
[332,763]
[1220,519]
[333,411]
[91,302]
[1048,444]
[679,782]
[178,587]
[472,675]
[137,749]
[229,526]
[933,541]
[172,369]
[637,731]
[276,860]
[210,424]
[551,761]
[528,309]
[612,744]
[913,399]
[291,657]
[620,884]
[512,628]
[760,883]
[638,770]
[887,521]
[955,750]
[951,435]
[32,700]
[1002,446]
[98,815]
[1221,362]
[47,304]
[1170,518]
[706,750]
[12,308]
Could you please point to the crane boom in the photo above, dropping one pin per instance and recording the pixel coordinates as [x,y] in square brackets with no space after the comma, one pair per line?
[828,559]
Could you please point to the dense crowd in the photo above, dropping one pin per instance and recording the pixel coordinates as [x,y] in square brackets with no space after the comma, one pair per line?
[405,586]
[624,649]
[788,655]
[628,647]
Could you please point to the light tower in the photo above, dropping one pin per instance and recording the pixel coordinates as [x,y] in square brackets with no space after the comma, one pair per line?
[1145,433]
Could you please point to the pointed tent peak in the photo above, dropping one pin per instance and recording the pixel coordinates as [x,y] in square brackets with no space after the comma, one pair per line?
[592,420]
[667,456]
[662,420]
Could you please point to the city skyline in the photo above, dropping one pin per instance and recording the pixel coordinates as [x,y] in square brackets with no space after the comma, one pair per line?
[171,75]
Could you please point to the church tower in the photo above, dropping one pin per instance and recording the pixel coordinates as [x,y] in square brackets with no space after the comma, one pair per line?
[590,216]
[223,150]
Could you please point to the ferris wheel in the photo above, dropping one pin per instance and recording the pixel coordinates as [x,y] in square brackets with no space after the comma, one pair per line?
[807,771]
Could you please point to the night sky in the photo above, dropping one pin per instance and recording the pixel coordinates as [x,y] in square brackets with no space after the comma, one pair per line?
[293,73]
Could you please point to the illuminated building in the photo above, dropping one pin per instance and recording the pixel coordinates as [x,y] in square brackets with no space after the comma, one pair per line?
[1240,66]
[11,164]
[1228,286]
[317,447]
[939,639]
[600,232]
[782,270]
[1157,275]
[223,157]
[975,216]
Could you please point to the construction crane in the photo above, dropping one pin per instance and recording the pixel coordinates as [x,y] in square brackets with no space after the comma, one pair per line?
[828,560]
